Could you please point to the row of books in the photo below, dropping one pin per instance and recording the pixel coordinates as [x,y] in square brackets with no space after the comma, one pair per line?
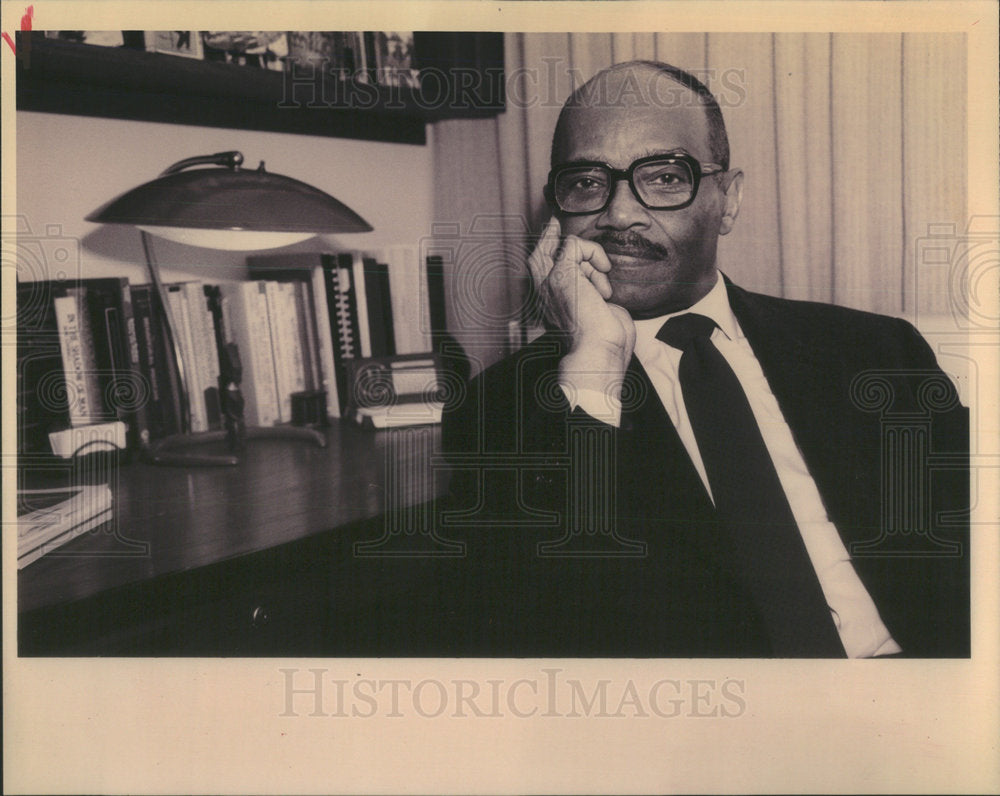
[77,359]
[96,350]
[363,305]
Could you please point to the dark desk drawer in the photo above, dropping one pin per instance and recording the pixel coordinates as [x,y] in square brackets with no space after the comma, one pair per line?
[270,603]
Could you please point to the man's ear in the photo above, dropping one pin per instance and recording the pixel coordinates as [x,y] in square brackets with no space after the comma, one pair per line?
[734,197]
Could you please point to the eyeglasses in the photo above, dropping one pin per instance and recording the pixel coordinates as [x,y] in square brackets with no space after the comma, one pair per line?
[660,182]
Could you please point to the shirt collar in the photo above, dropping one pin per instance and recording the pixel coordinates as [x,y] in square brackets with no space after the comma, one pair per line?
[714,304]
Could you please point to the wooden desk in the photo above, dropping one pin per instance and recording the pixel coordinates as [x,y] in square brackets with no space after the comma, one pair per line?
[208,545]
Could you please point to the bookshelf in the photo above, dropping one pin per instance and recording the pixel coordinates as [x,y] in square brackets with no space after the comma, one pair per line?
[462,76]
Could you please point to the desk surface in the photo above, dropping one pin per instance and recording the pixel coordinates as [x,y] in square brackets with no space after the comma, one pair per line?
[173,519]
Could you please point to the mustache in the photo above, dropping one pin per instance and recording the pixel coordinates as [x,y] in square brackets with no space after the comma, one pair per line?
[631,244]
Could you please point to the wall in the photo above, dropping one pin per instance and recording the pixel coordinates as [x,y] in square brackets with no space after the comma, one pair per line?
[70,165]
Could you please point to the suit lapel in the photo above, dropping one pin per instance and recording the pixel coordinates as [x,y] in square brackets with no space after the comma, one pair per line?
[793,369]
[811,392]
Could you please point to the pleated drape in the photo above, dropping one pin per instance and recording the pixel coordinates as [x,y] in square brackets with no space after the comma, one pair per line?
[852,145]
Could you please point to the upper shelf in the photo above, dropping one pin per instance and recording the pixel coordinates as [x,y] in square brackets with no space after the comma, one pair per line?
[461,76]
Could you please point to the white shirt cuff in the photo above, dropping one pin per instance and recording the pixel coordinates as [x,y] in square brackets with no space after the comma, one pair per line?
[597,404]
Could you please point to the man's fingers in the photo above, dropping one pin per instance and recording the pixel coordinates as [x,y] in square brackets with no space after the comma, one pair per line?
[594,254]
[542,258]
[602,283]
[549,240]
[592,261]
[558,262]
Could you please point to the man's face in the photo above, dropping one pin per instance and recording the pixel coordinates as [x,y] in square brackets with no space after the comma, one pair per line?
[662,260]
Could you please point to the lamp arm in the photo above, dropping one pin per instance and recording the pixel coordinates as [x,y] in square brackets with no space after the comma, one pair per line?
[231,159]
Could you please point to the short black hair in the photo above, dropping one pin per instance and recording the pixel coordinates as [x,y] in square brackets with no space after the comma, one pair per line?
[718,140]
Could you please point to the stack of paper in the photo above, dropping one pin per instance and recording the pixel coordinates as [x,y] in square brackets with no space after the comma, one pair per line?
[48,518]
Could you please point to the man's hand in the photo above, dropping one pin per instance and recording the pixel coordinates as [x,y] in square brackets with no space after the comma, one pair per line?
[571,275]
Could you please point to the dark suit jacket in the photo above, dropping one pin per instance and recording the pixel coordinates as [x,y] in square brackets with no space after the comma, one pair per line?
[555,566]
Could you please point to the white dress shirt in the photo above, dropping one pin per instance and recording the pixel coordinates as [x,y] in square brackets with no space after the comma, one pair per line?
[854,613]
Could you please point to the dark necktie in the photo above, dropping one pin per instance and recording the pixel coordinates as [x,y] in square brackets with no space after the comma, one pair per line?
[757,528]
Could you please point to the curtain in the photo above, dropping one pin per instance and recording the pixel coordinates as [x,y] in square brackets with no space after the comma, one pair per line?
[853,147]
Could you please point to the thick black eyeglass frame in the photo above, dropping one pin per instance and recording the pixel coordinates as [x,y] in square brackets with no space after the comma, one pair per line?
[698,170]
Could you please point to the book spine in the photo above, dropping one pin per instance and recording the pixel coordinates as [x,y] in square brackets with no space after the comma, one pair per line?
[360,298]
[141,323]
[41,377]
[262,351]
[280,347]
[213,399]
[340,328]
[385,291]
[117,352]
[206,356]
[345,322]
[324,339]
[239,304]
[308,342]
[297,364]
[201,379]
[379,306]
[424,313]
[109,305]
[436,300]
[79,366]
[139,425]
[348,309]
[331,279]
[182,329]
[409,302]
[155,364]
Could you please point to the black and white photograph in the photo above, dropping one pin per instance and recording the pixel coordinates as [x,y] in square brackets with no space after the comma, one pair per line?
[530,401]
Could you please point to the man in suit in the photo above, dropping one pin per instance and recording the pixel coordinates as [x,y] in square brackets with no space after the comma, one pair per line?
[680,467]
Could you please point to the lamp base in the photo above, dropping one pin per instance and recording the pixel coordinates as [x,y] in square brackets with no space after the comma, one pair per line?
[173,451]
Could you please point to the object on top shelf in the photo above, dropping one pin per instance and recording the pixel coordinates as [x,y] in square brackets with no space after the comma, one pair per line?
[186,43]
[264,49]
[336,52]
[394,61]
[100,38]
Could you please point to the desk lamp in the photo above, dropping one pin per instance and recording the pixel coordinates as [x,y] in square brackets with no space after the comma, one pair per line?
[210,201]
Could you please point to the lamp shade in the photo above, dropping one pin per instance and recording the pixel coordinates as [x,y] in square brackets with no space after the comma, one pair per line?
[253,208]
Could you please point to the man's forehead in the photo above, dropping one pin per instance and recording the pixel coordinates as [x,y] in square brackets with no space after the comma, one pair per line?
[633,131]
